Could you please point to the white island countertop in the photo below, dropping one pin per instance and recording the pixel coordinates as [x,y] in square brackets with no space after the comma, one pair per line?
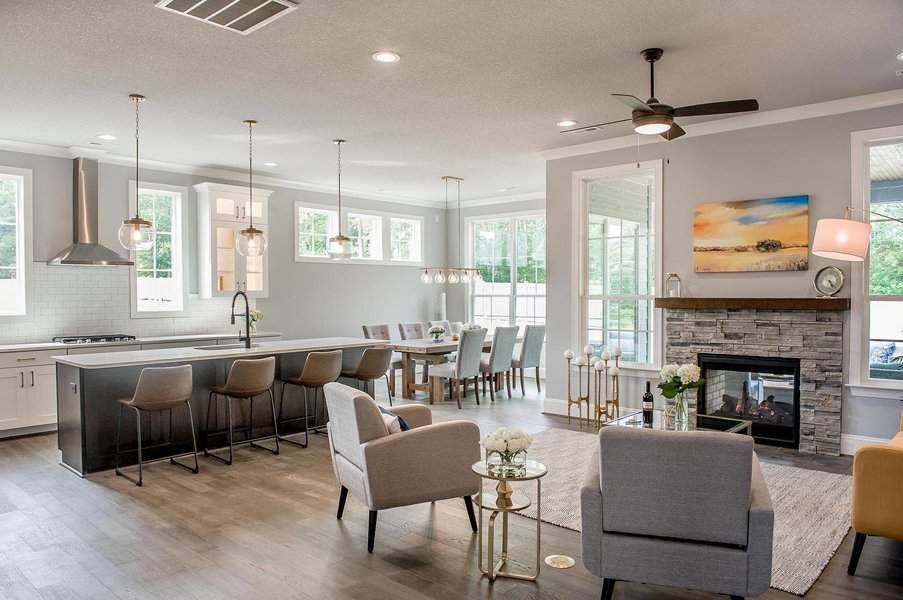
[159,339]
[107,360]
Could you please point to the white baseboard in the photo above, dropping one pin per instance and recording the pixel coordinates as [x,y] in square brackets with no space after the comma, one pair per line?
[850,443]
[554,406]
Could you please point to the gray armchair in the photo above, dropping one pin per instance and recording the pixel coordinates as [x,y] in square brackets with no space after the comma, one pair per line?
[682,509]
[427,463]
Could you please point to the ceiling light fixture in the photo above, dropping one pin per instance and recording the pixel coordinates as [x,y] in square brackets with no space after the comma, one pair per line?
[137,233]
[900,56]
[566,123]
[386,56]
[250,240]
[452,275]
[652,123]
[270,164]
[106,137]
[339,245]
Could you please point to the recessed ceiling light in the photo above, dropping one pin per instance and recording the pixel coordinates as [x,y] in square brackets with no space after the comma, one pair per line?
[386,56]
[900,56]
[270,164]
[566,123]
[507,189]
[106,137]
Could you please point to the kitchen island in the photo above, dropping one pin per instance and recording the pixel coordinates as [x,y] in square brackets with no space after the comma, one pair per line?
[89,385]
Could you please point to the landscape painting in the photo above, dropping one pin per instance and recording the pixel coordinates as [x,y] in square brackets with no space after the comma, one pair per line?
[768,234]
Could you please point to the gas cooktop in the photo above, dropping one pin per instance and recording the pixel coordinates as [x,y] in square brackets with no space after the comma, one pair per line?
[93,339]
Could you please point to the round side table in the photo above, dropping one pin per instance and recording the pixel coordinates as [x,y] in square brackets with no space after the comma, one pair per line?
[505,501]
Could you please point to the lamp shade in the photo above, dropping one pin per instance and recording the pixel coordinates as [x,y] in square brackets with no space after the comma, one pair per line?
[842,239]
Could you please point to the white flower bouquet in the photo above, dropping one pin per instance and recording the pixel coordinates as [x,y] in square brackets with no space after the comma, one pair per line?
[506,452]
[437,332]
[676,380]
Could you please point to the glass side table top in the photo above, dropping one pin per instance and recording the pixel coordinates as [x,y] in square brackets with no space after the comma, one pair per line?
[534,470]
[663,422]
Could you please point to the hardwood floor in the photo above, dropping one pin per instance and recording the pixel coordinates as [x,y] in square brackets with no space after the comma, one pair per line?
[266,528]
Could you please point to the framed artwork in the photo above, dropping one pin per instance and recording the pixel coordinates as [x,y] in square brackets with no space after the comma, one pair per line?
[768,234]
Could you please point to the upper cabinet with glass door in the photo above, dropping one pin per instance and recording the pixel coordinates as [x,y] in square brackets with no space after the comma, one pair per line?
[223,211]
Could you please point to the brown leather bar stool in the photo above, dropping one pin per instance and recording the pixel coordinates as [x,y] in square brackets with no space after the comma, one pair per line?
[381,332]
[159,389]
[248,378]
[319,369]
[374,364]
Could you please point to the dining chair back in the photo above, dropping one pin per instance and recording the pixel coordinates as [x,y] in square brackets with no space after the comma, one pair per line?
[411,331]
[470,349]
[503,341]
[377,332]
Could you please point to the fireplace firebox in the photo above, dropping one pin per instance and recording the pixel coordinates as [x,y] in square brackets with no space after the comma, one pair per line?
[763,390]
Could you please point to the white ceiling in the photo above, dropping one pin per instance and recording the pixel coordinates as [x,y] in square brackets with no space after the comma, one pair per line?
[477,93]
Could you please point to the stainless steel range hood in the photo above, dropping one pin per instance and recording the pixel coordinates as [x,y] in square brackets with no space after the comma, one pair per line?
[87,249]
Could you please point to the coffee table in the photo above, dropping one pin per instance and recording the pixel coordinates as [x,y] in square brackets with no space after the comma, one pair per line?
[696,422]
[506,501]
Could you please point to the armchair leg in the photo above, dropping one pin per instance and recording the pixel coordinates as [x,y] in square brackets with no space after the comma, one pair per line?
[608,589]
[522,388]
[343,495]
[736,597]
[538,389]
[858,543]
[468,502]
[371,531]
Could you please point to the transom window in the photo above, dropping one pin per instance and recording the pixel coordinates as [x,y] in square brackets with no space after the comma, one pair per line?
[406,239]
[315,227]
[510,254]
[159,270]
[14,197]
[365,231]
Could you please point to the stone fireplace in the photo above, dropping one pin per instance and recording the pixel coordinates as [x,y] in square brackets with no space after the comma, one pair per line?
[807,330]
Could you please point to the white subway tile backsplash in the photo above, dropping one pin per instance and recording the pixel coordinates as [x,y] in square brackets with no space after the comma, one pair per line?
[84,300]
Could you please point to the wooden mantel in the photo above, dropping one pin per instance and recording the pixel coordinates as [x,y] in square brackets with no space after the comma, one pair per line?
[754,303]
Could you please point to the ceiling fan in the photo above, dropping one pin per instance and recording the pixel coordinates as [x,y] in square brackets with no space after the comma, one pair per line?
[655,118]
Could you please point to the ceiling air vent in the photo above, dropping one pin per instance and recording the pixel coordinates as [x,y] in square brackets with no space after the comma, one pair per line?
[242,16]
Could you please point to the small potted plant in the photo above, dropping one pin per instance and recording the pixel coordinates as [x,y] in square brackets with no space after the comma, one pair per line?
[676,380]
[437,332]
[506,452]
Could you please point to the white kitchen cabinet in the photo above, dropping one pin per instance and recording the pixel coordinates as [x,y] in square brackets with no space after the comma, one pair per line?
[11,403]
[222,211]
[27,397]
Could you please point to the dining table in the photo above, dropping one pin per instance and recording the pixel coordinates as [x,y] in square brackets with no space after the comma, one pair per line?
[432,352]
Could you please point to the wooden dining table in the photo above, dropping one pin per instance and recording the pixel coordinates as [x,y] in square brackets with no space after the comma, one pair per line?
[431,352]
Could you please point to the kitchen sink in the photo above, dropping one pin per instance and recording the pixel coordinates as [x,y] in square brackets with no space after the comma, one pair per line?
[225,347]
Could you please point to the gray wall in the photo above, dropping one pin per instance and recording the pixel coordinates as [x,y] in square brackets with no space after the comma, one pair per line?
[306,299]
[803,157]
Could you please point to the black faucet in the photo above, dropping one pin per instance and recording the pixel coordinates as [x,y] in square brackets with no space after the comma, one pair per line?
[247,317]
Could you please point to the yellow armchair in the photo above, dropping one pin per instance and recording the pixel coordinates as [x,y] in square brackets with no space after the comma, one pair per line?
[877,493]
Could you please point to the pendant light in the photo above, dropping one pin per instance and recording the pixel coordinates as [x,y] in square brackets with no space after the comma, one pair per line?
[137,233]
[452,275]
[339,245]
[250,240]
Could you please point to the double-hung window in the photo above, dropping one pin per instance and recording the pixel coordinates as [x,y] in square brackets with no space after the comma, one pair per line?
[159,282]
[15,236]
[619,219]
[510,253]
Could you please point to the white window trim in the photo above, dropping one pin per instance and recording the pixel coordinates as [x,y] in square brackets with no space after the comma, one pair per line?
[860,194]
[27,228]
[579,267]
[183,267]
[507,216]
[386,232]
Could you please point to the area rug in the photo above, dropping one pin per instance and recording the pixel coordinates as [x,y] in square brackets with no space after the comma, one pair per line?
[812,508]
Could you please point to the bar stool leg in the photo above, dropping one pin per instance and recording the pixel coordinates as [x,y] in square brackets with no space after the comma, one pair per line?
[283,438]
[118,435]
[229,418]
[254,444]
[140,459]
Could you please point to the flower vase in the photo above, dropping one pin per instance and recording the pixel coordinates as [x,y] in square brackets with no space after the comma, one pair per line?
[506,464]
[681,411]
[437,337]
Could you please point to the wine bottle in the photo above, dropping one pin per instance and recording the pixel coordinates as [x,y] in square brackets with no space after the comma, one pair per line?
[648,405]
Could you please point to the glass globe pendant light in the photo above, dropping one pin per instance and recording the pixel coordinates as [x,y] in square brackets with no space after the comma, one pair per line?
[137,233]
[339,245]
[251,241]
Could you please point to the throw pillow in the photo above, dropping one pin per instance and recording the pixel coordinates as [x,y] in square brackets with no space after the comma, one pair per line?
[394,423]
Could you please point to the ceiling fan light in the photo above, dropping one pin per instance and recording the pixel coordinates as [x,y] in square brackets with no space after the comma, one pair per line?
[652,128]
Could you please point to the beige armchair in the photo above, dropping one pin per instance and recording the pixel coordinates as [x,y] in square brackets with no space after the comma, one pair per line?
[427,463]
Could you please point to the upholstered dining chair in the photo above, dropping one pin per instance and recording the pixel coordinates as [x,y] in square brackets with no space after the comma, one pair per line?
[530,354]
[498,359]
[466,366]
[443,324]
[374,364]
[384,470]
[415,331]
[381,332]
[716,533]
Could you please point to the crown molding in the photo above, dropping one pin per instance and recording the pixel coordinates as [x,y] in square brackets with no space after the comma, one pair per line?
[745,121]
[512,198]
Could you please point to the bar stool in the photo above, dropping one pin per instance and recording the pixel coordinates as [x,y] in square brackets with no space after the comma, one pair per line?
[319,369]
[247,379]
[159,389]
[381,332]
[374,364]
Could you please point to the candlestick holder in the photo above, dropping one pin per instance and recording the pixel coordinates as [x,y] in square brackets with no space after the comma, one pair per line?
[569,356]
[613,403]
[600,367]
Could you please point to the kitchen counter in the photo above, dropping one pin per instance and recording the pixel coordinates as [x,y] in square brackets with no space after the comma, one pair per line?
[89,385]
[161,339]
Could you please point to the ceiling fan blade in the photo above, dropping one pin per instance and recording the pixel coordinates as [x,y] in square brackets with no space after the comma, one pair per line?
[717,108]
[675,132]
[593,127]
[633,102]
